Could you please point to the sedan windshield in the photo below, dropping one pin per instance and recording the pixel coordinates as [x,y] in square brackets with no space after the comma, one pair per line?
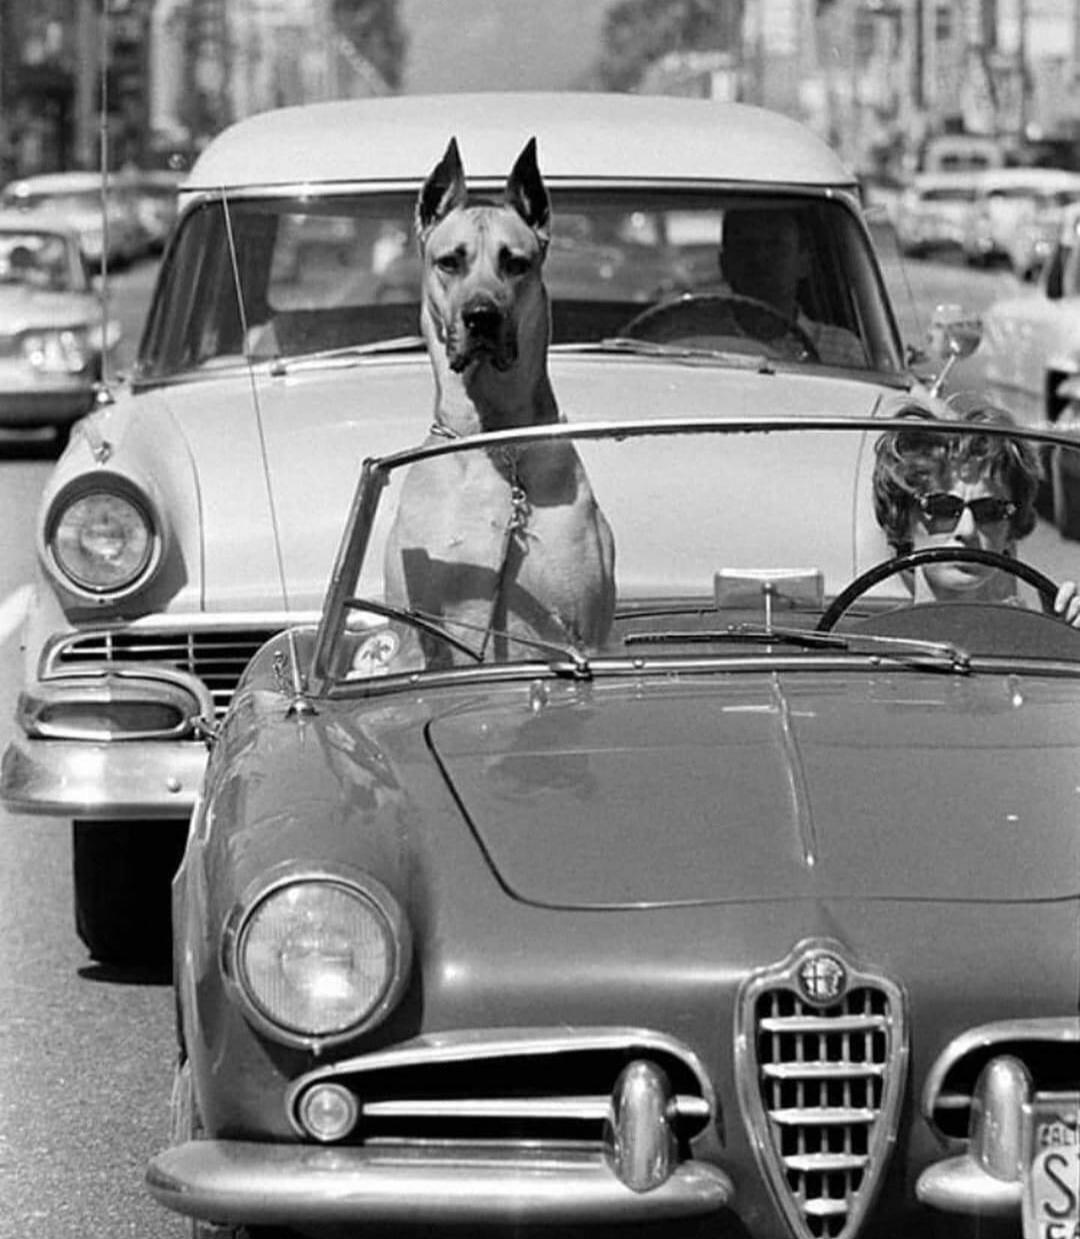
[674,267]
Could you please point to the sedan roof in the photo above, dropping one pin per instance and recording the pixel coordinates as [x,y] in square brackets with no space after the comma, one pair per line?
[590,137]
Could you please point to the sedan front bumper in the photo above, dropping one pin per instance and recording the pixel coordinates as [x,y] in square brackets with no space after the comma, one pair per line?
[77,778]
[276,1184]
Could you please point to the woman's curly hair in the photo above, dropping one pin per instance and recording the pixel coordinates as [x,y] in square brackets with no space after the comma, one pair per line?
[911,463]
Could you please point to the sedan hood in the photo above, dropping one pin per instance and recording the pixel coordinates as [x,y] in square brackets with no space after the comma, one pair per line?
[320,424]
[776,788]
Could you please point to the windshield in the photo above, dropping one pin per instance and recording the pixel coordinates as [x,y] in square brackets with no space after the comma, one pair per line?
[39,260]
[628,546]
[342,271]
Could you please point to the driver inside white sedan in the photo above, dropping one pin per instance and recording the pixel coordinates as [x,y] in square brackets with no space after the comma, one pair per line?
[765,256]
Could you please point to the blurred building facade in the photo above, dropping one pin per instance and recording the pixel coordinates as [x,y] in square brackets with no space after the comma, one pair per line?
[876,78]
[171,72]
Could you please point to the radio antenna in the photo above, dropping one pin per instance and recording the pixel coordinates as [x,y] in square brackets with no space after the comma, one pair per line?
[299,704]
[103,155]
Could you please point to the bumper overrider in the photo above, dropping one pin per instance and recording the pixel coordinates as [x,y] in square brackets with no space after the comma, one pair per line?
[125,742]
[1013,1088]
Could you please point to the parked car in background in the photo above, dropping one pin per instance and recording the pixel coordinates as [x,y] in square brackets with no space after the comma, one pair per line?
[1031,347]
[933,211]
[1003,199]
[223,471]
[1038,225]
[86,204]
[54,336]
[154,196]
[963,152]
[680,933]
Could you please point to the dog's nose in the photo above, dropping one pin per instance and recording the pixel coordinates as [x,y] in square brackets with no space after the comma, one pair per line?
[482,319]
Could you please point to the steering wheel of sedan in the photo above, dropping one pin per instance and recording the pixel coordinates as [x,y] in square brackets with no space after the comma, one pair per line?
[1039,581]
[720,314]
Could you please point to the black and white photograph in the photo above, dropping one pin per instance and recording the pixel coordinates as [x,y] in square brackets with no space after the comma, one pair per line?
[540,619]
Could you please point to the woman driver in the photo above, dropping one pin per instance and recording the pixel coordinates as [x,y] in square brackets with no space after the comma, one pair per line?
[975,492]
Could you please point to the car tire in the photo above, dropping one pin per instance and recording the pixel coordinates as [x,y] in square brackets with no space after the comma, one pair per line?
[122,873]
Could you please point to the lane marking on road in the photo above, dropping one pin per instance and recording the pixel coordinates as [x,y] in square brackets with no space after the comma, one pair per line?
[13,610]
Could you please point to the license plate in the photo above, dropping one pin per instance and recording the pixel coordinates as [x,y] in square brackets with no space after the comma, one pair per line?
[1052,1187]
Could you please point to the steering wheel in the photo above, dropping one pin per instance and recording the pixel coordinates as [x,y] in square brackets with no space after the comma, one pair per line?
[1039,581]
[703,314]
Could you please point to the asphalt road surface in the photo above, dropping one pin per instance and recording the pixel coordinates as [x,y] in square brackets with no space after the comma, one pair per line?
[86,1054]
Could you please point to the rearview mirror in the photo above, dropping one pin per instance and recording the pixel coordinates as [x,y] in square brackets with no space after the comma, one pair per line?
[953,335]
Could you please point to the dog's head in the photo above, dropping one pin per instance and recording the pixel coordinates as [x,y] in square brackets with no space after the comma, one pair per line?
[483,293]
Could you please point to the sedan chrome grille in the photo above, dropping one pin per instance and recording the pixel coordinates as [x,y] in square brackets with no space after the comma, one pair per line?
[823,1054]
[218,656]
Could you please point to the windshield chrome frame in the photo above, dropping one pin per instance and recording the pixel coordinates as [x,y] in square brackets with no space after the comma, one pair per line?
[376,471]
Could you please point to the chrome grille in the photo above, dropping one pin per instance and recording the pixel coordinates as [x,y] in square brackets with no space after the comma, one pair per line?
[823,1083]
[540,1088]
[217,656]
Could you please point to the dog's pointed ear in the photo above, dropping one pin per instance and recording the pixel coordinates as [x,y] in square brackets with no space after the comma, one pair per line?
[443,191]
[526,192]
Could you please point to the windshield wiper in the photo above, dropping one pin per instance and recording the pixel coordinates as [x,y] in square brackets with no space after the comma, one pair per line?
[374,348]
[687,352]
[568,660]
[939,655]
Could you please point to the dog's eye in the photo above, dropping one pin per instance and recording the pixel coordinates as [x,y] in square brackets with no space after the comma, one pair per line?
[450,263]
[516,264]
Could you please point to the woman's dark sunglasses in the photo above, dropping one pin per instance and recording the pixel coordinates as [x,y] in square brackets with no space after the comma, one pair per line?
[942,512]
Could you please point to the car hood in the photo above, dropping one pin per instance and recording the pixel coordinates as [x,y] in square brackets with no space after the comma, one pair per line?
[26,309]
[775,788]
[320,424]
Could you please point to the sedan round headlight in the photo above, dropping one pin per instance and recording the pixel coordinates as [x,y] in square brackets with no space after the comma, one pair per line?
[318,957]
[102,540]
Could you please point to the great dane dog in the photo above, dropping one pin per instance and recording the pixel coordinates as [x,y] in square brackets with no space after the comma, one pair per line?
[506,544]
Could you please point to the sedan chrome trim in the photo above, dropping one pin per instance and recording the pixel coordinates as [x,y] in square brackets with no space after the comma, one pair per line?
[278,1184]
[121,685]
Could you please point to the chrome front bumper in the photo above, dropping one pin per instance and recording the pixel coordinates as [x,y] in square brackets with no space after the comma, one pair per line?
[276,1184]
[76,778]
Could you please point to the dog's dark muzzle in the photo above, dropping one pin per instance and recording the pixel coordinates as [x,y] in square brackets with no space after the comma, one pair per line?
[488,330]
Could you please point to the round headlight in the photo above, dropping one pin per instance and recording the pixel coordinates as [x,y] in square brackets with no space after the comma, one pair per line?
[319,958]
[102,541]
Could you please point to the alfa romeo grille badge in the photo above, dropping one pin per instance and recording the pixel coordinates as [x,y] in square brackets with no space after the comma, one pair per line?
[823,979]
[821,1058]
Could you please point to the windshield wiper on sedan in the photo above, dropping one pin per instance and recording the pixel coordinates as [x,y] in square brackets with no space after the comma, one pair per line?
[684,352]
[940,655]
[347,353]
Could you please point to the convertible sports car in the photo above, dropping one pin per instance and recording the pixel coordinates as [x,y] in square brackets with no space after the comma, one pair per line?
[197,514]
[759,918]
